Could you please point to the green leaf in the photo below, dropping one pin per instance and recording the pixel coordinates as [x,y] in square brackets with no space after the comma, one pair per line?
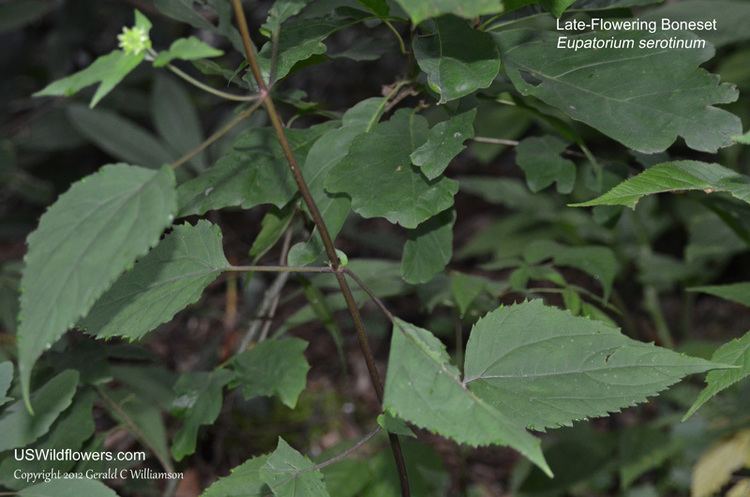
[199,398]
[445,141]
[599,262]
[254,172]
[290,474]
[743,139]
[299,40]
[419,10]
[465,288]
[243,481]
[20,428]
[731,17]
[273,367]
[675,177]
[68,488]
[381,157]
[272,228]
[557,7]
[141,418]
[325,153]
[394,425]
[539,158]
[429,248]
[458,60]
[84,241]
[186,49]
[736,353]
[280,11]
[119,137]
[617,91]
[422,387]
[736,292]
[169,278]
[546,368]
[219,10]
[70,431]
[176,119]
[6,378]
[108,70]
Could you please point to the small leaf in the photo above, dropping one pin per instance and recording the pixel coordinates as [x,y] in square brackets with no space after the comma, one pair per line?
[299,40]
[168,279]
[20,428]
[458,60]
[429,248]
[141,418]
[444,142]
[84,241]
[599,262]
[273,367]
[562,368]
[280,11]
[394,425]
[381,157]
[68,488]
[186,49]
[119,137]
[199,397]
[736,353]
[612,89]
[465,288]
[743,139]
[290,474]
[272,228]
[539,158]
[715,467]
[422,387]
[557,7]
[736,292]
[674,177]
[420,10]
[243,481]
[108,70]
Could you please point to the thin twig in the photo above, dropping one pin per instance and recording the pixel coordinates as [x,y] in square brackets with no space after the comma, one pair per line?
[209,89]
[280,269]
[349,451]
[325,236]
[401,44]
[275,300]
[515,143]
[133,427]
[218,134]
[379,303]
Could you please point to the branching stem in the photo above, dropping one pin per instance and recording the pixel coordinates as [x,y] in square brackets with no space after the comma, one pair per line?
[218,134]
[209,89]
[317,218]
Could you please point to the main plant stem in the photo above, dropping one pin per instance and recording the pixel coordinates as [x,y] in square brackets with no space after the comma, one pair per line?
[317,218]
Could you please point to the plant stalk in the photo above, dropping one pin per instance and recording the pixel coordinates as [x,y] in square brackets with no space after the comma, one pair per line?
[317,218]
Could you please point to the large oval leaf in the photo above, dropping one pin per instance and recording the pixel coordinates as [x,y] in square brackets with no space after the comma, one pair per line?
[84,241]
